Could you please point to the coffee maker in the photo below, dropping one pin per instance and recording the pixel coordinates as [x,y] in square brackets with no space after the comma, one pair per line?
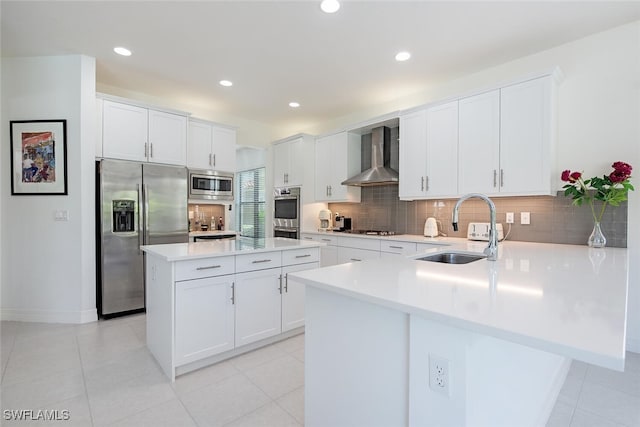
[325,220]
[342,223]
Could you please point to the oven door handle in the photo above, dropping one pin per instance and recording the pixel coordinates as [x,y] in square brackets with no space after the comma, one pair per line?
[284,229]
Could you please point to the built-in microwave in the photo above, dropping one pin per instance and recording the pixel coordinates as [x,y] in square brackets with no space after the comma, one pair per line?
[210,185]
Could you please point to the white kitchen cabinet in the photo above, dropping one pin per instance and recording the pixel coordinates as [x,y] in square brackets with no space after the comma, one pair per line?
[131,132]
[396,248]
[328,253]
[288,162]
[211,147]
[204,318]
[526,138]
[354,254]
[293,297]
[258,305]
[337,158]
[505,141]
[429,152]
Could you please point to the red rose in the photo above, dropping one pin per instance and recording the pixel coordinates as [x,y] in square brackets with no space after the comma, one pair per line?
[622,168]
[566,174]
[575,176]
[618,176]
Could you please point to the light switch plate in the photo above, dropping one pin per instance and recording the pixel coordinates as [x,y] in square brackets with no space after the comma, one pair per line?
[525,218]
[61,215]
[480,231]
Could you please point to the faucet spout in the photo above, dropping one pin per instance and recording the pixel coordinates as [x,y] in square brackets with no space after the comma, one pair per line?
[491,251]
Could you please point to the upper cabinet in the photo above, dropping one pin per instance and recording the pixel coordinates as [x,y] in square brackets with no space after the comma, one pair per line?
[337,159]
[211,146]
[506,140]
[429,152]
[289,159]
[130,132]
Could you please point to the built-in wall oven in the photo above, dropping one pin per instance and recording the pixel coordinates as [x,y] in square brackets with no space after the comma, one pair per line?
[286,212]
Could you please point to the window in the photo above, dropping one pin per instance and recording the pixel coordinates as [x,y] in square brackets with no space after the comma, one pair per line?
[251,203]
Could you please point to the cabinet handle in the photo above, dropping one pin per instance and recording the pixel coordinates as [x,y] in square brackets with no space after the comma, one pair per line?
[422,183]
[146,150]
[355,259]
[280,287]
[426,183]
[208,268]
[326,191]
[303,256]
[501,177]
[330,191]
[396,247]
[258,261]
[285,178]
[233,292]
[307,238]
[214,160]
[495,178]
[326,240]
[151,149]
[209,159]
[286,282]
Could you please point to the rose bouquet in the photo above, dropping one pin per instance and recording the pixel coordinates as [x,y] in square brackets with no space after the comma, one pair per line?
[610,189]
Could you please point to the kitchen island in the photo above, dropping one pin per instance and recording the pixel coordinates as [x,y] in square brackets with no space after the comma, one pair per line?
[485,343]
[209,301]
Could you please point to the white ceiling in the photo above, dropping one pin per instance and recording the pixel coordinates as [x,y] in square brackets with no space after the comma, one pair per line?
[277,51]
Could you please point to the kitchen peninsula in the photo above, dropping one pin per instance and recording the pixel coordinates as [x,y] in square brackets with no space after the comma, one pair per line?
[485,343]
[208,301]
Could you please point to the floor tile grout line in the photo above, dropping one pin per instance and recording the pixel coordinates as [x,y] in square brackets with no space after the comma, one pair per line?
[285,409]
[84,382]
[4,368]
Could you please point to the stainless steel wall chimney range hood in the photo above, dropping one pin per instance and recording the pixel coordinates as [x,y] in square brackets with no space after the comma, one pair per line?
[378,174]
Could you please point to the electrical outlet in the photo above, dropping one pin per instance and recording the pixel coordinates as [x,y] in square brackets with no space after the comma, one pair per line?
[439,375]
[525,218]
[509,218]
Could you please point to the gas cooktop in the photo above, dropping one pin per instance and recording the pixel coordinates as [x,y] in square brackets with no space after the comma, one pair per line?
[373,232]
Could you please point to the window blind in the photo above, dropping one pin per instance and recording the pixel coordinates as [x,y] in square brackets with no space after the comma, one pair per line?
[251,202]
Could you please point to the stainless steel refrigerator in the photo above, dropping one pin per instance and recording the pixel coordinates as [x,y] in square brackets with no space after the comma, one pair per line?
[137,204]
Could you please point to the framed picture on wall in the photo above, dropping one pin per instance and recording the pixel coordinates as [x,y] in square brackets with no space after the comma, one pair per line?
[38,157]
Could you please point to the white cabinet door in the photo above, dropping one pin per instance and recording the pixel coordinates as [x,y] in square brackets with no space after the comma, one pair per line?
[337,159]
[124,131]
[479,143]
[167,138]
[258,305]
[293,297]
[442,150]
[223,156]
[199,145]
[282,164]
[328,256]
[413,155]
[204,321]
[525,132]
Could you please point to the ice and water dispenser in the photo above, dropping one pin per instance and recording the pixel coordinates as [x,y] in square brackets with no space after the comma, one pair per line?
[124,216]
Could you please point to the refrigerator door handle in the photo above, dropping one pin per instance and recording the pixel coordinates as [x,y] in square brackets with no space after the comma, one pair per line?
[145,207]
[140,240]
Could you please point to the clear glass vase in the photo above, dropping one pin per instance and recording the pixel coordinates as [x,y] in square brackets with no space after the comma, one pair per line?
[597,239]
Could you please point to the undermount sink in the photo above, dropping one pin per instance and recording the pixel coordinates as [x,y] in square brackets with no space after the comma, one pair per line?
[451,258]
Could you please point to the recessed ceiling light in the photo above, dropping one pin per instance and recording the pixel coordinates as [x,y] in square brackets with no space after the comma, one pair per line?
[122,51]
[330,6]
[294,104]
[402,56]
[226,83]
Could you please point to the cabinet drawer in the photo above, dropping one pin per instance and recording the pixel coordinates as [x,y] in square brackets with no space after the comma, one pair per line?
[398,247]
[300,256]
[258,261]
[355,255]
[207,267]
[359,243]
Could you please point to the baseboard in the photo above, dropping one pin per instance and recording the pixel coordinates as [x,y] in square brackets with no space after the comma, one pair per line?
[49,316]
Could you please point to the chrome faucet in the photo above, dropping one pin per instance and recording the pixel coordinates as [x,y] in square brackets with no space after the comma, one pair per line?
[491,251]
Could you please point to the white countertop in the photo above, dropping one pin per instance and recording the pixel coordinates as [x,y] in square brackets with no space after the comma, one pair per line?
[414,238]
[213,233]
[216,248]
[565,299]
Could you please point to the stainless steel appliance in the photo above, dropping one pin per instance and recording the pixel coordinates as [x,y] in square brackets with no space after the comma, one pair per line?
[380,173]
[373,232]
[137,204]
[342,223]
[210,185]
[286,212]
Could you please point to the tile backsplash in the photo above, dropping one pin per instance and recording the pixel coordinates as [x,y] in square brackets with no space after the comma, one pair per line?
[553,219]
[206,213]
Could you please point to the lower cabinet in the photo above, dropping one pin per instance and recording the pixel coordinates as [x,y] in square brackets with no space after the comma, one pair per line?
[328,253]
[204,318]
[354,254]
[258,305]
[293,297]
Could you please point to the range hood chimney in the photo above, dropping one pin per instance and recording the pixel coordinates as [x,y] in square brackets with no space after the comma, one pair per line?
[378,174]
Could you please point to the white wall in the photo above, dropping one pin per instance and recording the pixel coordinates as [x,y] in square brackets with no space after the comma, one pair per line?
[48,267]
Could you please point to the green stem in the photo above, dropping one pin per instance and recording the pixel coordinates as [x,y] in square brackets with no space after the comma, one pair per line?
[593,211]
[604,205]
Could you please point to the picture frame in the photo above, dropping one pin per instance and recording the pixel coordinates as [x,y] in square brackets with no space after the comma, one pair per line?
[38,157]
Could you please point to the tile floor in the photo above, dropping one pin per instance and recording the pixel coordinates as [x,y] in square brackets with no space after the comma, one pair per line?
[103,375]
